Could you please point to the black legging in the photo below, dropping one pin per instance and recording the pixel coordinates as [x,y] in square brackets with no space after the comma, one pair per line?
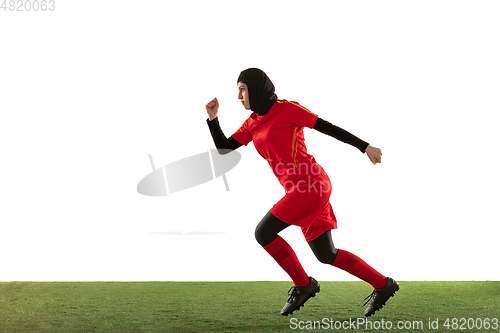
[267,231]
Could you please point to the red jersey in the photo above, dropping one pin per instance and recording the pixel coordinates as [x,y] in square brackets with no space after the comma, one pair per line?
[278,136]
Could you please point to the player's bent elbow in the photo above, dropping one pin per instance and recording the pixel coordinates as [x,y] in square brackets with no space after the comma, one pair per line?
[224,151]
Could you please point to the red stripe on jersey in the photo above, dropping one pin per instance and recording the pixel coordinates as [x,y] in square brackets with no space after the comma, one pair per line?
[294,147]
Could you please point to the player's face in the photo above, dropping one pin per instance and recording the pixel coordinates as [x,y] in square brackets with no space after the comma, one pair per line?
[243,95]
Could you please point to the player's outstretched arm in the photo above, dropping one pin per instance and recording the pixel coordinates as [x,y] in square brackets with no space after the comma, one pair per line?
[340,134]
[325,127]
[223,144]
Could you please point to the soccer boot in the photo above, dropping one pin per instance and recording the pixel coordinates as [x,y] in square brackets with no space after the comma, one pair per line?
[378,297]
[299,296]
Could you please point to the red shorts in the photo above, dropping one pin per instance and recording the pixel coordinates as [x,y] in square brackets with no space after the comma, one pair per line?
[307,205]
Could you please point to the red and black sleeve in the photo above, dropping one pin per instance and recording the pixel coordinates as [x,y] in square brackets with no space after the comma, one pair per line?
[340,134]
[224,145]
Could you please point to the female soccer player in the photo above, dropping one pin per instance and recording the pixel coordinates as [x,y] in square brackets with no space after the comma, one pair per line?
[276,128]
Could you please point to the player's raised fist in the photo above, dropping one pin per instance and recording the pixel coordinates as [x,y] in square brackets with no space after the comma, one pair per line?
[212,108]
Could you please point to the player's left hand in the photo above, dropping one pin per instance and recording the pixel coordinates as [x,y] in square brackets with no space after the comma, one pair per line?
[374,154]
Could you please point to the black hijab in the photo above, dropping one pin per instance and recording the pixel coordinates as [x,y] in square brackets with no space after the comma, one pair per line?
[260,90]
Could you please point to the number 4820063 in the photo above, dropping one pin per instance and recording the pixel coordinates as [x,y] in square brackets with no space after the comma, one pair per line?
[28,5]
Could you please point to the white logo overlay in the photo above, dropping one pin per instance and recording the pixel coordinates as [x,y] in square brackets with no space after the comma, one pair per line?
[188,172]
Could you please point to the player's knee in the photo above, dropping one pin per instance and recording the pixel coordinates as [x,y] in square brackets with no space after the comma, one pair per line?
[258,236]
[268,228]
[327,257]
[262,237]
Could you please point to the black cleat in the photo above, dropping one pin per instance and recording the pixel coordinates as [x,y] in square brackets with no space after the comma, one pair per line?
[378,297]
[299,296]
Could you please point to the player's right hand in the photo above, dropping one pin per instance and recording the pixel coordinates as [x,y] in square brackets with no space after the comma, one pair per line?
[374,154]
[212,109]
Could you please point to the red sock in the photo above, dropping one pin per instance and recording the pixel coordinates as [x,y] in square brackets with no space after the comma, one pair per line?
[356,266]
[287,259]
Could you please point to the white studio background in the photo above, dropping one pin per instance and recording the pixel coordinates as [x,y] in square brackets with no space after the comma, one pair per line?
[89,90]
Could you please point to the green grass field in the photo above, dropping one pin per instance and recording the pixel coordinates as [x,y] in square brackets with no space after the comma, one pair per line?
[241,307]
